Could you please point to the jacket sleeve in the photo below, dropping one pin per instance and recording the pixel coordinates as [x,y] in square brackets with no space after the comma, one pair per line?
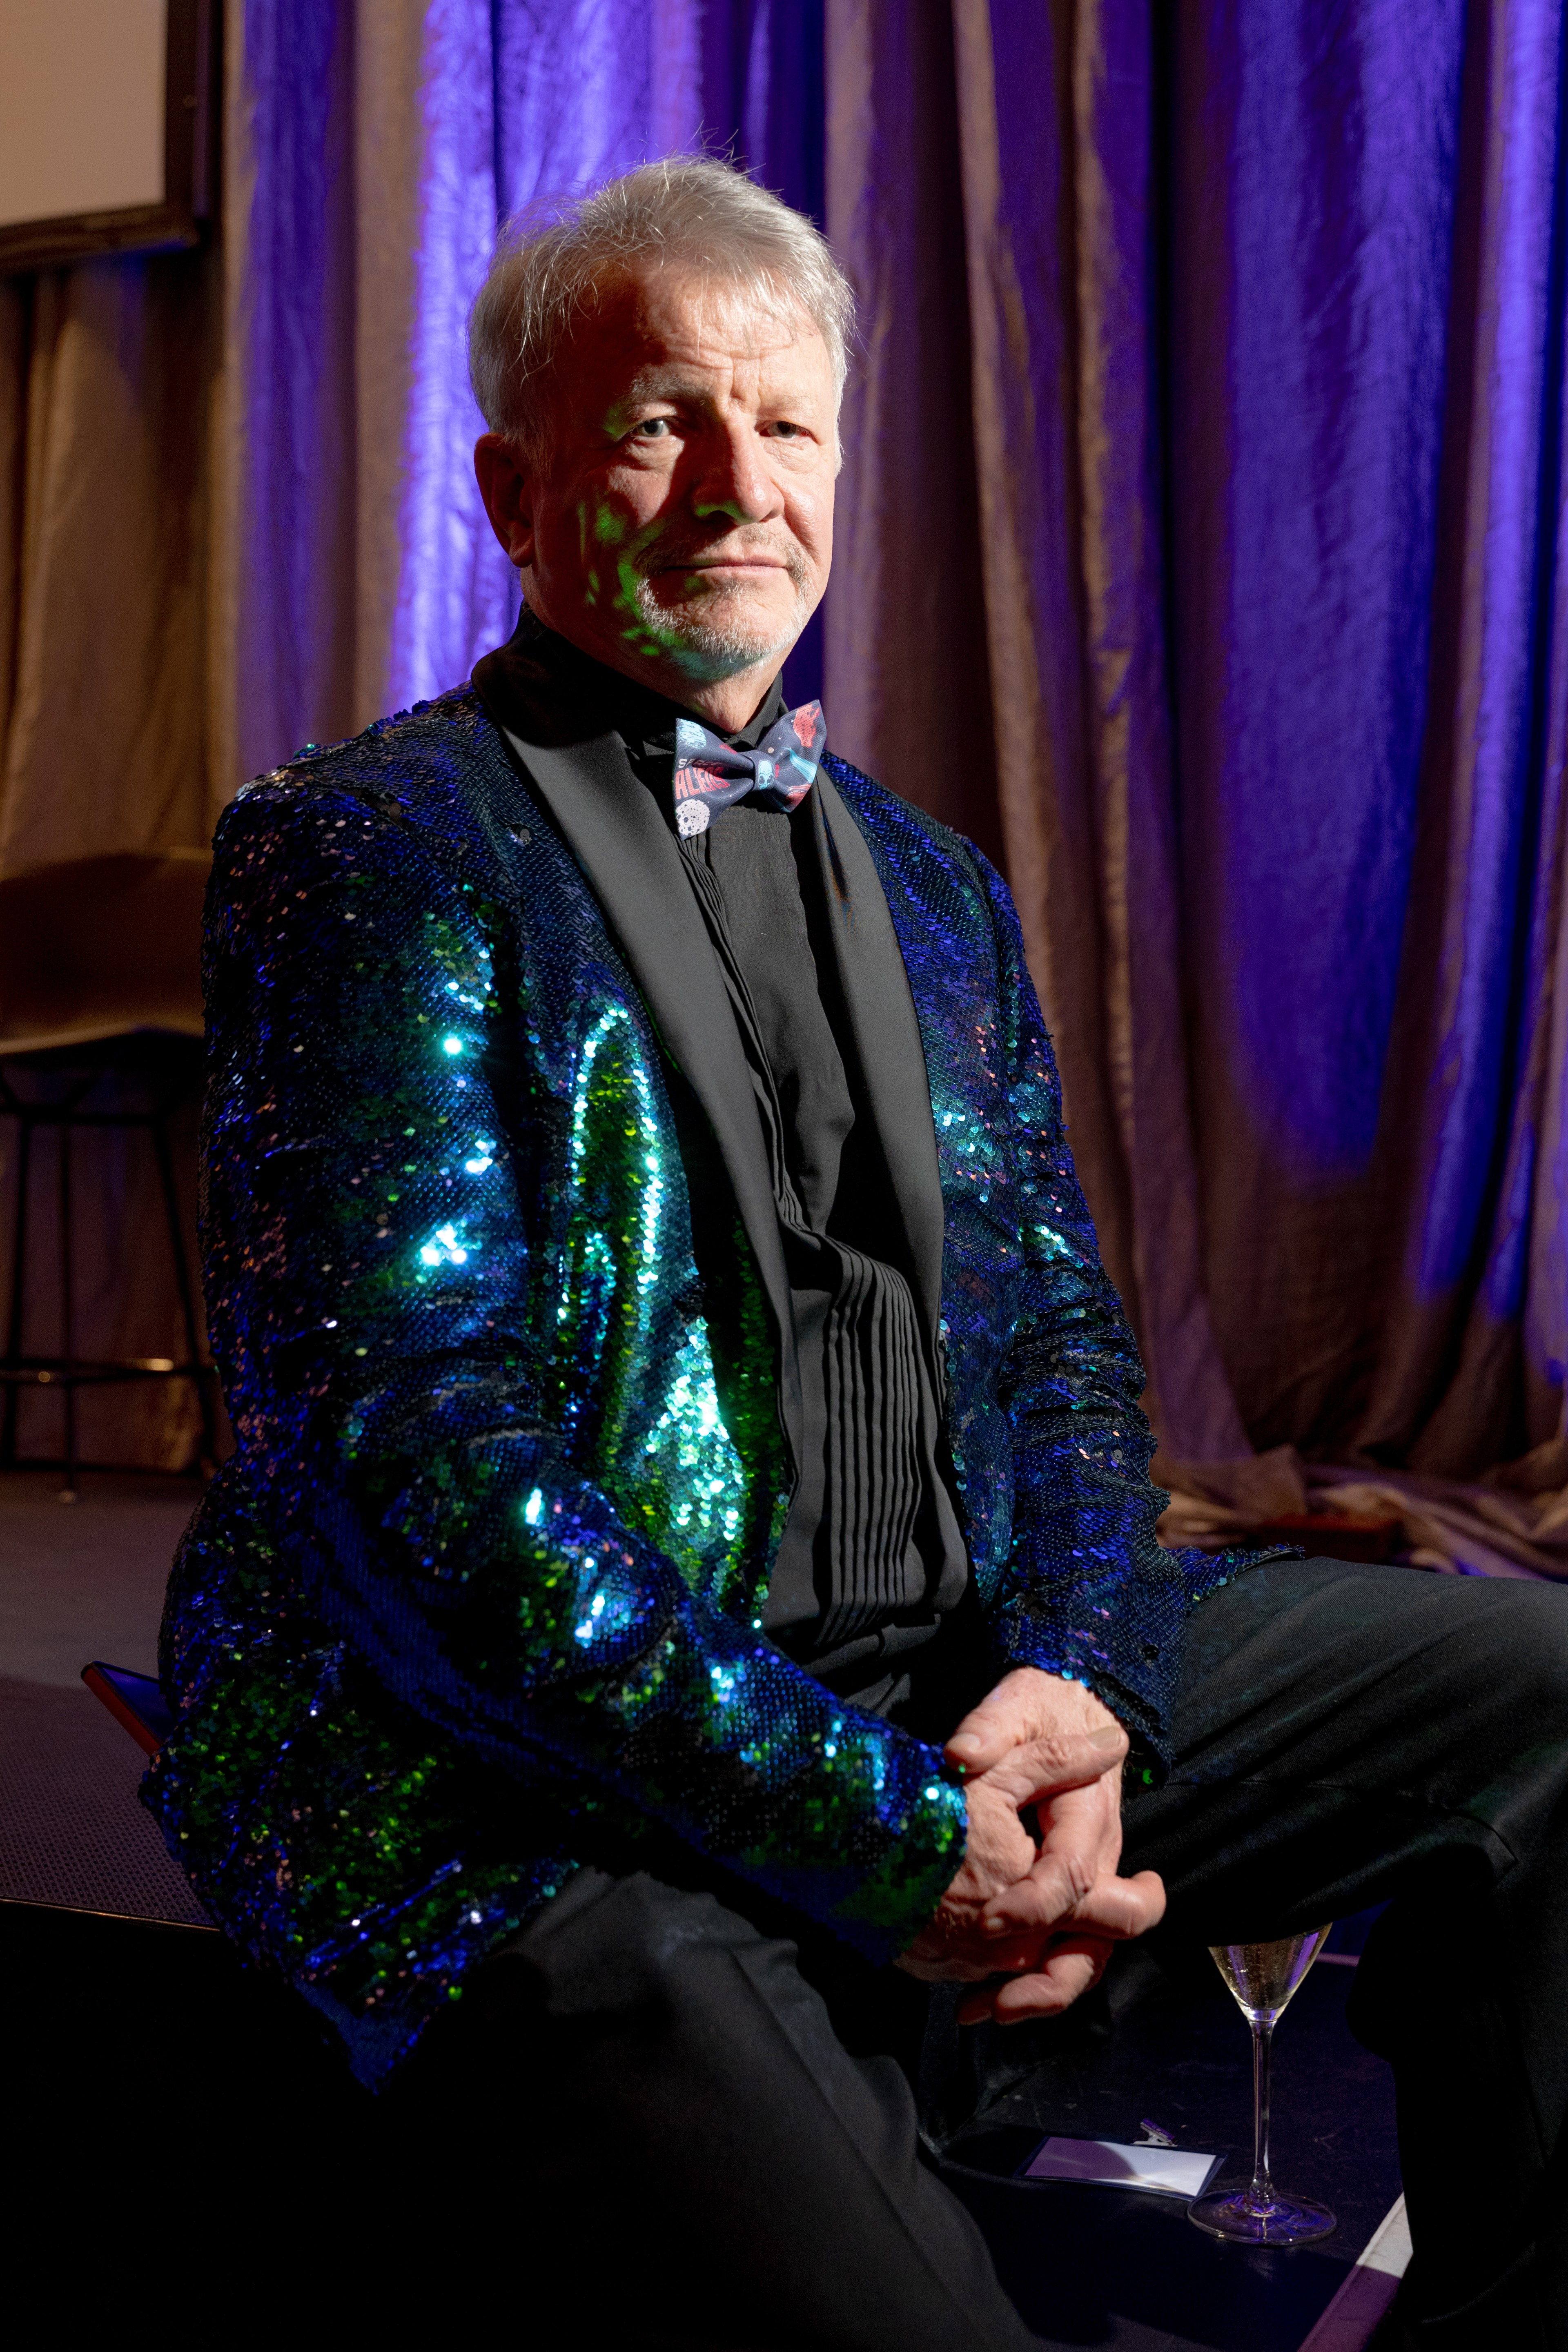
[377,1121]
[1088,1591]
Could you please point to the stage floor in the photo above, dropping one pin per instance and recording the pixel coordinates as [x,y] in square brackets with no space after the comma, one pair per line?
[141,2047]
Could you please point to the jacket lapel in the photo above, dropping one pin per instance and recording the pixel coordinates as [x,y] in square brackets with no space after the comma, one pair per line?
[887,1034]
[633,866]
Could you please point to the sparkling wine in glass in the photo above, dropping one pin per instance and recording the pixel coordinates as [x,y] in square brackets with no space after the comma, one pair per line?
[1263,1977]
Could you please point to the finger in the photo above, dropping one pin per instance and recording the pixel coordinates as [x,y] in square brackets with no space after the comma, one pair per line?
[1081,1846]
[1063,1977]
[976,1957]
[954,1968]
[1059,1878]
[998,1850]
[1055,1765]
[994,1728]
[1058,1979]
[1027,1705]
[1109,1905]
[1002,1719]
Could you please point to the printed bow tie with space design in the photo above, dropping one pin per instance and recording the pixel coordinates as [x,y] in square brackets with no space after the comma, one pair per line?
[709,775]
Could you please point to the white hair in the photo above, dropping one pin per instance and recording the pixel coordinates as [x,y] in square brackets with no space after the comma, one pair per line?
[692,212]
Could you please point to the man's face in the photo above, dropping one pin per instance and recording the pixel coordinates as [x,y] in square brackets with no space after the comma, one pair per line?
[682,529]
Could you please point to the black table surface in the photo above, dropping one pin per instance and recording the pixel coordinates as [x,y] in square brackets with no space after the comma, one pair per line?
[1125,2269]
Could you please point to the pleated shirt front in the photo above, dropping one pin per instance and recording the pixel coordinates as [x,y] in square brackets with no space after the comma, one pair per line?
[872,1563]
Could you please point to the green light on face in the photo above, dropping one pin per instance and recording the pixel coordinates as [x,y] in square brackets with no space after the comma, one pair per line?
[642,636]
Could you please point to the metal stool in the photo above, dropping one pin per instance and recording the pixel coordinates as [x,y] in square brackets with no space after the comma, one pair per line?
[99,978]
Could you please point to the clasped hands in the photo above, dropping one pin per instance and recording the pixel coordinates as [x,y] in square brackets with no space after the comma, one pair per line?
[1042,1917]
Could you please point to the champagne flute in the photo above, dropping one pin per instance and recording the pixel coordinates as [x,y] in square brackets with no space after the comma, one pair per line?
[1263,1977]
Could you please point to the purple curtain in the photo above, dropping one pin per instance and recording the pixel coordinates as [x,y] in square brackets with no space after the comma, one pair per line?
[1263,313]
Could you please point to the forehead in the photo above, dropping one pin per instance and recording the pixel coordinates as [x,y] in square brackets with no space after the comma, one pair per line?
[654,323]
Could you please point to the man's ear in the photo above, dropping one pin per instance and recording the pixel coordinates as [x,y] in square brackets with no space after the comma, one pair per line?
[508,493]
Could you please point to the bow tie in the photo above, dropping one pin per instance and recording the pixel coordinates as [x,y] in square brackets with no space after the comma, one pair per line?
[710,775]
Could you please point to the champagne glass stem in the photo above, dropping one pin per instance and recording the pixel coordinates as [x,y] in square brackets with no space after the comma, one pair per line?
[1262,2190]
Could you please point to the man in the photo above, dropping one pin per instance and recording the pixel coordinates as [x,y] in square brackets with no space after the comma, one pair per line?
[690,1510]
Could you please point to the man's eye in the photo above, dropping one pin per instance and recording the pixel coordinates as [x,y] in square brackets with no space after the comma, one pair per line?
[654,428]
[782,428]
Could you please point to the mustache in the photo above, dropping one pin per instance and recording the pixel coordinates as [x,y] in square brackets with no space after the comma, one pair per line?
[676,555]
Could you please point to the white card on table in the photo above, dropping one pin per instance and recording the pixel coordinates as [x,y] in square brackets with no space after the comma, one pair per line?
[1171,2172]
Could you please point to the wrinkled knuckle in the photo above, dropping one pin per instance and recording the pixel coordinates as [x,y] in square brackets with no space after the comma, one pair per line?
[1082,1876]
[1055,1883]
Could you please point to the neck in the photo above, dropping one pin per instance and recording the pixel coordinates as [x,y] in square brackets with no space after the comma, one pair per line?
[726,703]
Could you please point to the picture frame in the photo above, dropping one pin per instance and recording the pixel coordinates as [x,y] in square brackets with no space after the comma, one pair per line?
[191,88]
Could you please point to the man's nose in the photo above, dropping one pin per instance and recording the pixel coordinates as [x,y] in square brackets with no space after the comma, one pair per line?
[734,479]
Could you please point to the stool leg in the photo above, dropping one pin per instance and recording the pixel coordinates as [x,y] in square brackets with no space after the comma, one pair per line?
[67,1310]
[15,1322]
[199,1374]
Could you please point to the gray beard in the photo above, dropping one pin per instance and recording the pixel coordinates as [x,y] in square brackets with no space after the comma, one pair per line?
[709,653]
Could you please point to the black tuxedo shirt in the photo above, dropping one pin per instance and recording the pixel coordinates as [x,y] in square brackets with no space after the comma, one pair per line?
[803,972]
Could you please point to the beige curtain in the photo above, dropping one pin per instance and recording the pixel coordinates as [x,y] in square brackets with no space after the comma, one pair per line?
[205,557]
[201,475]
[106,383]
[989,651]
[106,377]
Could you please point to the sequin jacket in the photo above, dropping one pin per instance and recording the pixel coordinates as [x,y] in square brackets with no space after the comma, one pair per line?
[484,1574]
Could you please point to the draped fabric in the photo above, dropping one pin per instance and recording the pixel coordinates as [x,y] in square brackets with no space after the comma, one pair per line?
[1199,553]
[104,376]
[236,500]
[238,511]
[1262,314]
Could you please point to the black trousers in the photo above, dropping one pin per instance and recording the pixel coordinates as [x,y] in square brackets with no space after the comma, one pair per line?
[696,2108]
